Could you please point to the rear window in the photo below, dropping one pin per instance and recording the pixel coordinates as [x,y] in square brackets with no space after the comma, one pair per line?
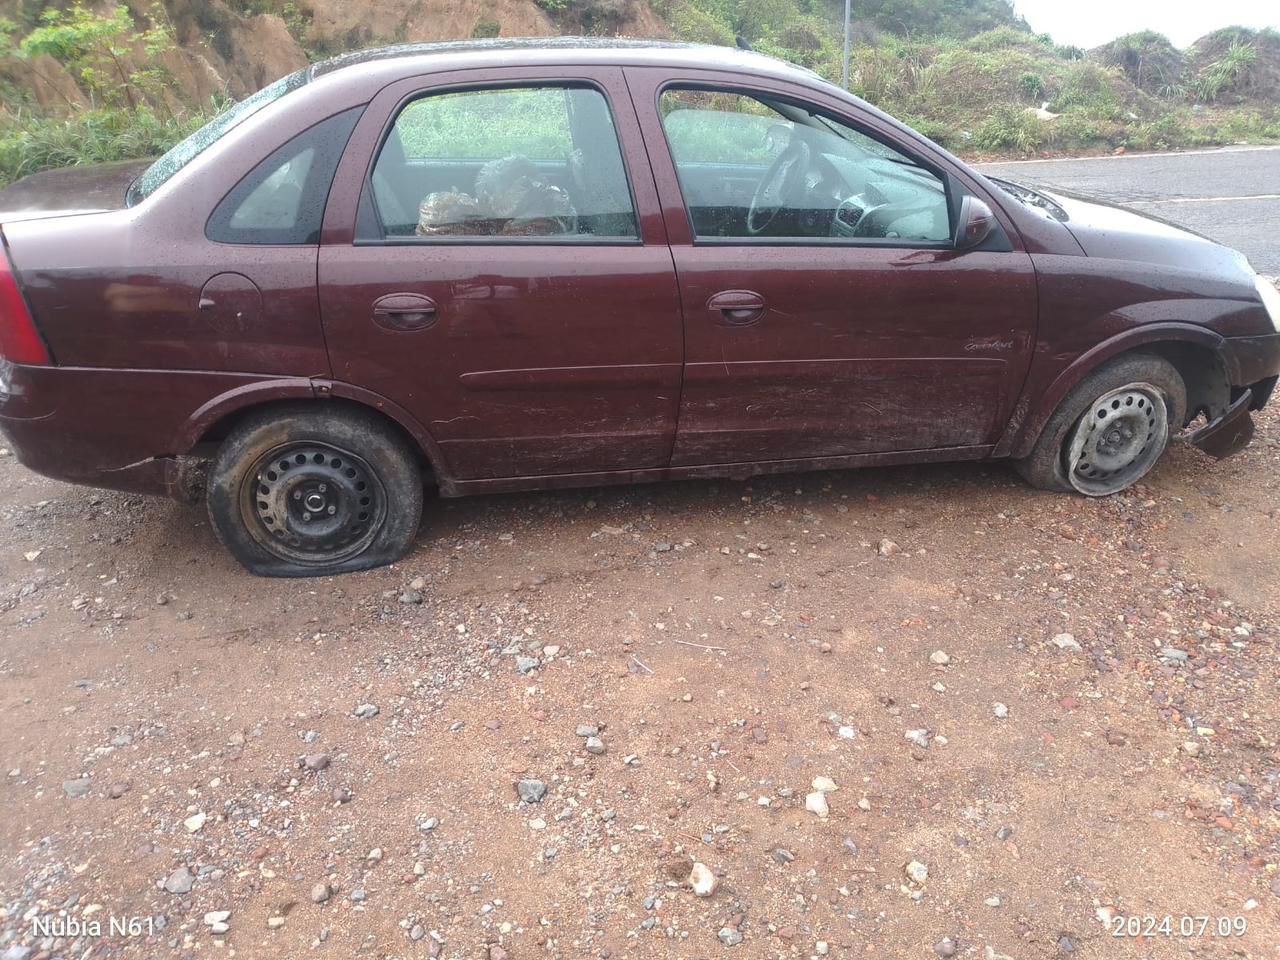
[156,175]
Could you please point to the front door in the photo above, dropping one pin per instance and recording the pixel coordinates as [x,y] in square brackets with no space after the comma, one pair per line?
[504,275]
[827,313]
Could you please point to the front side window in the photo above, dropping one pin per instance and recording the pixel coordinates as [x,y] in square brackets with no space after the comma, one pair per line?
[752,168]
[514,163]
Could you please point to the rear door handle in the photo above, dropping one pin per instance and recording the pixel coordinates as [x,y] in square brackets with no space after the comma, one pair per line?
[404,312]
[736,308]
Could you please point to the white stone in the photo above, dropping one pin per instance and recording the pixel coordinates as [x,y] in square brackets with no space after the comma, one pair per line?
[824,785]
[702,880]
[816,802]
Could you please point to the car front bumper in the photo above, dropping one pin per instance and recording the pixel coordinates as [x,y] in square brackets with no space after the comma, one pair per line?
[1252,367]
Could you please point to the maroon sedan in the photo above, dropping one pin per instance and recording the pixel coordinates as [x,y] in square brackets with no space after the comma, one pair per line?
[517,265]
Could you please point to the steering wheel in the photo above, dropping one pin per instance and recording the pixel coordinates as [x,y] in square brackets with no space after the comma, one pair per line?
[783,180]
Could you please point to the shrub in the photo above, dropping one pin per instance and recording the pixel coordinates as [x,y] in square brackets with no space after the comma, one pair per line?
[1032,85]
[1010,128]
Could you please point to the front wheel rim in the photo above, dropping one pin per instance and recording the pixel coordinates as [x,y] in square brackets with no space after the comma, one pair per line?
[1117,439]
[312,503]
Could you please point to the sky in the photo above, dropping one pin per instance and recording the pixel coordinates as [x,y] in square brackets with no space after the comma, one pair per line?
[1088,23]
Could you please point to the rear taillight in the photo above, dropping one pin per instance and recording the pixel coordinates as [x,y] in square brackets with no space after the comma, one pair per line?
[20,341]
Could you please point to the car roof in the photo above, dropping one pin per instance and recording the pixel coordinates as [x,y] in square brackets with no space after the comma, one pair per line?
[408,58]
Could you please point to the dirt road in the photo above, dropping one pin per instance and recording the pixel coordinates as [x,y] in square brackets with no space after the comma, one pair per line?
[1040,711]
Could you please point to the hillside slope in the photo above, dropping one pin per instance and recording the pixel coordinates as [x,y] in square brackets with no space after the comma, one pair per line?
[84,84]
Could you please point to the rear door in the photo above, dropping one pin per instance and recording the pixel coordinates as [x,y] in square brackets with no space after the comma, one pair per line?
[813,332]
[495,262]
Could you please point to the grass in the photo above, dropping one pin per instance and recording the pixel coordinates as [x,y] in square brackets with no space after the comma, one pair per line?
[32,143]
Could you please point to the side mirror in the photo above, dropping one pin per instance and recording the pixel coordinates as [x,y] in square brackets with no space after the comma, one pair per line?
[976,223]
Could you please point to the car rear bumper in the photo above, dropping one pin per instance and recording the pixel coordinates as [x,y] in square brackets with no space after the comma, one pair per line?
[119,429]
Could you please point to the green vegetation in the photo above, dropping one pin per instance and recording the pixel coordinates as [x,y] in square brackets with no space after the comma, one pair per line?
[983,91]
[119,107]
[81,84]
[31,144]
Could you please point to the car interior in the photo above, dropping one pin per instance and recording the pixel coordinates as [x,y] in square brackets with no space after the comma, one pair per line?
[755,168]
[583,193]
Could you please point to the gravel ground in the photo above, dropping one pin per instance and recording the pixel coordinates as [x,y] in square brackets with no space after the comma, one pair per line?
[893,713]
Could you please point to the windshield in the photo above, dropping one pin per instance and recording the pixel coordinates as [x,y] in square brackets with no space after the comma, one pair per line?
[156,175]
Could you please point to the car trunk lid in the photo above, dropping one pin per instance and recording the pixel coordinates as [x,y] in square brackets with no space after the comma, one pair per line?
[69,191]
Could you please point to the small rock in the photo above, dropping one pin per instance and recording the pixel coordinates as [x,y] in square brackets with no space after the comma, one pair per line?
[1000,711]
[17,951]
[526,665]
[275,923]
[341,794]
[939,658]
[729,936]
[315,762]
[888,548]
[118,790]
[219,928]
[365,711]
[1174,656]
[216,916]
[594,745]
[918,872]
[783,856]
[586,730]
[411,597]
[76,788]
[702,880]
[417,932]
[816,802]
[1065,641]
[1191,748]
[946,947]
[850,846]
[919,737]
[194,822]
[179,881]
[1066,945]
[824,785]
[320,893]
[531,791]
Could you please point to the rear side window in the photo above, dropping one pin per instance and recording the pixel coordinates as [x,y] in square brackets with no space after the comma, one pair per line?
[156,175]
[281,201]
[511,164]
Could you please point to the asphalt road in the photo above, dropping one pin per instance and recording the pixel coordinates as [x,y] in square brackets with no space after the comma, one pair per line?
[1231,195]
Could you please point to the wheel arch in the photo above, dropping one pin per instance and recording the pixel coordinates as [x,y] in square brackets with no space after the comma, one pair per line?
[215,420]
[1196,352]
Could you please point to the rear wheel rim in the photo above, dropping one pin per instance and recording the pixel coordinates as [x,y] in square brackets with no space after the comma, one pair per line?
[312,503]
[1117,440]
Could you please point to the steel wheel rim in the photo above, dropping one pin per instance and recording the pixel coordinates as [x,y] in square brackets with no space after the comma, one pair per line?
[312,503]
[1117,439]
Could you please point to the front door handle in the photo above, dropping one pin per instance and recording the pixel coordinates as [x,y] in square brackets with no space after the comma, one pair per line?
[404,312]
[736,308]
